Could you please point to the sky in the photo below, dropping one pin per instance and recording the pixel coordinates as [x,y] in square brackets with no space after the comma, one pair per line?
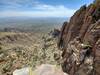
[40,8]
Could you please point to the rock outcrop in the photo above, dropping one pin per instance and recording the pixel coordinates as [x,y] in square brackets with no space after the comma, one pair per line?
[44,69]
[80,41]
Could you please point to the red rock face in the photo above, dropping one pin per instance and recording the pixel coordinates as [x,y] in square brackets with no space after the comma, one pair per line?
[71,30]
[80,42]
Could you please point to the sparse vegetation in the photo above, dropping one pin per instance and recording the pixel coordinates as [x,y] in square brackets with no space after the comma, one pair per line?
[26,50]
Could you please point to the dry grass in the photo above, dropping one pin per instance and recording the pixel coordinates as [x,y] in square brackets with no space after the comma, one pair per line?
[28,49]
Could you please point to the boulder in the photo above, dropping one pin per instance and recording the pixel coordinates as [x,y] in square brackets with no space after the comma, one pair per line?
[44,69]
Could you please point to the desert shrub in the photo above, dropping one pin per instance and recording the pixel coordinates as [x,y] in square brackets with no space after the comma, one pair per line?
[96,2]
[0,47]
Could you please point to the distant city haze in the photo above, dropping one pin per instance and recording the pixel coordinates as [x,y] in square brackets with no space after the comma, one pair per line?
[31,24]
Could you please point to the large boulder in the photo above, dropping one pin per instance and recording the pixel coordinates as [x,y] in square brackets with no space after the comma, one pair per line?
[44,69]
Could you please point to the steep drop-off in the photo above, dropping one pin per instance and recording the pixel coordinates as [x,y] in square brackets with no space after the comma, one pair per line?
[79,41]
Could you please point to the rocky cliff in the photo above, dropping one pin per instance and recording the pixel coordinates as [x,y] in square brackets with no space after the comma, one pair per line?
[79,41]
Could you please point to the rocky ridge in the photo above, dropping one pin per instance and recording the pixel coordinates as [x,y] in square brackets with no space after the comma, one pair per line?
[79,41]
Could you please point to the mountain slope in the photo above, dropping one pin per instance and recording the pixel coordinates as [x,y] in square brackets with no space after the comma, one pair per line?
[80,41]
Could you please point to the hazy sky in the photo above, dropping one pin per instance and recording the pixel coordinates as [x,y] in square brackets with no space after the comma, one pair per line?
[40,8]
